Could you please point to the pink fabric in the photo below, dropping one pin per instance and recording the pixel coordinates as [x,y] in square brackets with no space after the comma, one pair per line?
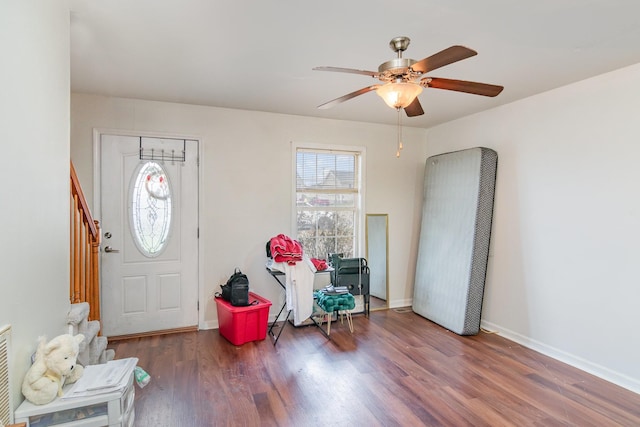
[285,249]
[319,264]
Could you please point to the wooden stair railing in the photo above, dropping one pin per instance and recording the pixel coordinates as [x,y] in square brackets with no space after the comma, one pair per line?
[84,251]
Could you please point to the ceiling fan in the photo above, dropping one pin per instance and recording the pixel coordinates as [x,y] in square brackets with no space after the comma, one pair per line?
[403,78]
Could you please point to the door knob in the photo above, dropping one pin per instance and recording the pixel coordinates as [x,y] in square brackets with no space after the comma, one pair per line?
[110,249]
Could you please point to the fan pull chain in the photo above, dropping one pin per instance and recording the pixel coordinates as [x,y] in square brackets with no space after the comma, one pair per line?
[399,133]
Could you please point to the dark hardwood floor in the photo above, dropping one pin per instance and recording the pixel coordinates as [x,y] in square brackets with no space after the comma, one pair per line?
[377,303]
[397,369]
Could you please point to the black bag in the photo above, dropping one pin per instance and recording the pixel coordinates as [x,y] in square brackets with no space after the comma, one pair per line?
[236,290]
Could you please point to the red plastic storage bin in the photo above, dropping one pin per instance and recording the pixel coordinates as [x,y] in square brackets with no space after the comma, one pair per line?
[243,324]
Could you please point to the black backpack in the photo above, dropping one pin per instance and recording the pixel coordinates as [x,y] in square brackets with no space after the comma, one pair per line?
[236,290]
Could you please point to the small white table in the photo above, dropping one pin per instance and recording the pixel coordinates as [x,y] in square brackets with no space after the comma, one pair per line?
[108,409]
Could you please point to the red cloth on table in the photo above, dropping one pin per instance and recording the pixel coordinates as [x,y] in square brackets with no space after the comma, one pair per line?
[285,249]
[319,264]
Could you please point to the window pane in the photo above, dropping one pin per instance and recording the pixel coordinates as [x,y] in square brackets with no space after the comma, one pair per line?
[346,200]
[313,199]
[345,245]
[150,212]
[345,223]
[328,171]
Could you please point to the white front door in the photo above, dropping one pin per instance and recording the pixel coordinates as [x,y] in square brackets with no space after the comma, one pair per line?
[149,250]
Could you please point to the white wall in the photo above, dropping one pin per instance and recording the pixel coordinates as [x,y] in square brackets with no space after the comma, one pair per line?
[247,180]
[34,171]
[563,270]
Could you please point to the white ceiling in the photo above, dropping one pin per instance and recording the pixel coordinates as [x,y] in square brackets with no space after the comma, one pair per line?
[259,55]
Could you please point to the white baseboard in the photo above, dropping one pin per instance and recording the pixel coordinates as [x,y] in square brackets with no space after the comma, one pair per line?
[400,303]
[570,359]
[211,324]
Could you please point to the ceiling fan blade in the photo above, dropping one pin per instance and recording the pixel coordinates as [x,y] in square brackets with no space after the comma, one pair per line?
[414,109]
[347,70]
[348,97]
[442,58]
[462,86]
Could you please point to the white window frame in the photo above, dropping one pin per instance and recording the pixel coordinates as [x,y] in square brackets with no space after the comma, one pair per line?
[360,179]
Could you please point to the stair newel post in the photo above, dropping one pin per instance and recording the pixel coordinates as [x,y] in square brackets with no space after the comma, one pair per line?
[95,275]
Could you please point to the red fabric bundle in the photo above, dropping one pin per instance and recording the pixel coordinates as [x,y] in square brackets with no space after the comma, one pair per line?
[319,264]
[285,249]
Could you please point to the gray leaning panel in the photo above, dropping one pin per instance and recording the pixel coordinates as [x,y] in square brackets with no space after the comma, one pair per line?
[454,238]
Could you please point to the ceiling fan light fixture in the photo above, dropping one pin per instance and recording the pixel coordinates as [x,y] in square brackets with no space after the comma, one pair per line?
[399,94]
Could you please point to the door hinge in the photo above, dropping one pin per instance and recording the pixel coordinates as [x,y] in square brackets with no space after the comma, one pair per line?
[198,305]
[198,233]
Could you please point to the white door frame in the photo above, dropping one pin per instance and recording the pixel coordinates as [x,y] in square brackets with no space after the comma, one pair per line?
[97,136]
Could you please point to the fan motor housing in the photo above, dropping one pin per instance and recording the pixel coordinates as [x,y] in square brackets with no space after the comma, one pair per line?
[396,68]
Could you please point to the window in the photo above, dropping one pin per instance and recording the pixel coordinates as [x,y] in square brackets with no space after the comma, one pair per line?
[150,208]
[328,202]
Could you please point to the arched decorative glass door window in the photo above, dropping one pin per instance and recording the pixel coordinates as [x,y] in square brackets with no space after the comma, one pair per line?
[150,199]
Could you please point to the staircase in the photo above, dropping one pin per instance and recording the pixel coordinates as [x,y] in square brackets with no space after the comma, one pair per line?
[93,350]
[84,251]
[84,287]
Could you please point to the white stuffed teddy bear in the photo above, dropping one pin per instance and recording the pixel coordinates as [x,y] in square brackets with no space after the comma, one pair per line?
[54,366]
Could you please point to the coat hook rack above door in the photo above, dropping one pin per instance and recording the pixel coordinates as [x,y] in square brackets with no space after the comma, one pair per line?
[162,154]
